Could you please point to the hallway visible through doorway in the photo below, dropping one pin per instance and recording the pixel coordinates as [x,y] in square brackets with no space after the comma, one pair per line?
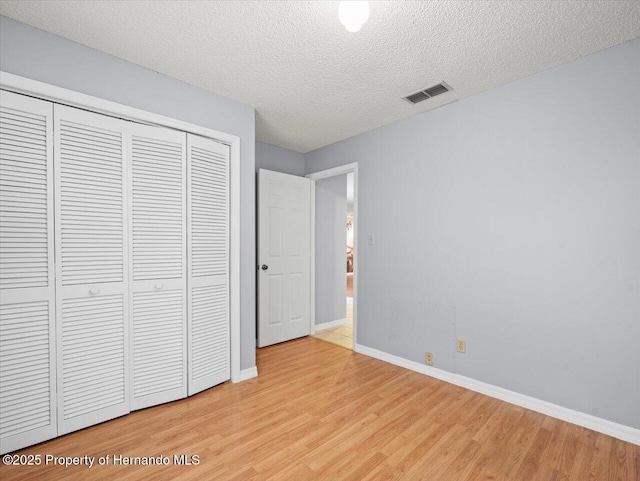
[335,268]
[341,335]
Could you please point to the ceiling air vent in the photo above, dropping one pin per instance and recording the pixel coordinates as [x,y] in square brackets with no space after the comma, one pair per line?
[428,93]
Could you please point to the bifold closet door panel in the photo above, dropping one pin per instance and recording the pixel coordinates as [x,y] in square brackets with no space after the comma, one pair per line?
[27,287]
[208,227]
[158,265]
[92,267]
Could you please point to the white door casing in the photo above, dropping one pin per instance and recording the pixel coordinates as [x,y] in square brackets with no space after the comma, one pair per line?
[284,257]
[27,286]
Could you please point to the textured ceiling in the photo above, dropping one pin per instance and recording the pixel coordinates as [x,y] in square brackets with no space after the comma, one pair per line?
[313,83]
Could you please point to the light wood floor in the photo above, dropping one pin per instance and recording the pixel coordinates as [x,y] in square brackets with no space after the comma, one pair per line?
[320,412]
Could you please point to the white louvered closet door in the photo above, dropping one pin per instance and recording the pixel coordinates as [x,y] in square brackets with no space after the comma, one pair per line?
[208,224]
[158,265]
[92,268]
[27,310]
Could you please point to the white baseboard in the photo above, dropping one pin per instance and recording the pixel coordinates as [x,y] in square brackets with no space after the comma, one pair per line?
[619,431]
[248,373]
[330,324]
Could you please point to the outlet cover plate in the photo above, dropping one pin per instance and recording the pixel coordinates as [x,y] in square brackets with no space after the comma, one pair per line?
[428,358]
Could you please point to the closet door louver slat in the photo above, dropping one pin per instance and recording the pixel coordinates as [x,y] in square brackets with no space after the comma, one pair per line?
[208,207]
[92,271]
[24,194]
[210,331]
[92,354]
[159,266]
[159,367]
[27,309]
[27,410]
[87,199]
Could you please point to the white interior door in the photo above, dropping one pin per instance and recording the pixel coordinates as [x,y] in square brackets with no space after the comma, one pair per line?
[92,267]
[208,325]
[284,256]
[158,265]
[27,309]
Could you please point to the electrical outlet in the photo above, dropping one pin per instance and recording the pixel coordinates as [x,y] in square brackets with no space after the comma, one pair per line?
[461,345]
[428,358]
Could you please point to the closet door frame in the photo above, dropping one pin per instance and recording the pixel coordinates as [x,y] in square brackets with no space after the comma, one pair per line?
[22,85]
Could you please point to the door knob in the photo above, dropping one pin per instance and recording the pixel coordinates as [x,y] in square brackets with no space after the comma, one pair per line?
[264,267]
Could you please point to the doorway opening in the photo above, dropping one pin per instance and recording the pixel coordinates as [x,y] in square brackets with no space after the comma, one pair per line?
[334,267]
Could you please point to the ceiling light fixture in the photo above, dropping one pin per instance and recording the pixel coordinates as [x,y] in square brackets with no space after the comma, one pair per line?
[353,15]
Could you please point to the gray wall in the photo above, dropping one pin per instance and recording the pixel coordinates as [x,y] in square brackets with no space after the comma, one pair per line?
[39,55]
[331,246]
[514,217]
[272,157]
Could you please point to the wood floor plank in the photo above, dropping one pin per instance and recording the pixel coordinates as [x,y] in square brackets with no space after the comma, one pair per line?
[434,463]
[417,448]
[464,464]
[593,469]
[320,412]
[534,457]
[497,438]
[621,465]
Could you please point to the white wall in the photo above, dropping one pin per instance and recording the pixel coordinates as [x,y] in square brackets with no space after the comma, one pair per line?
[511,219]
[38,55]
[331,249]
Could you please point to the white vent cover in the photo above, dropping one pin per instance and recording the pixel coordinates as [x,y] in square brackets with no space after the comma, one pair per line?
[427,93]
